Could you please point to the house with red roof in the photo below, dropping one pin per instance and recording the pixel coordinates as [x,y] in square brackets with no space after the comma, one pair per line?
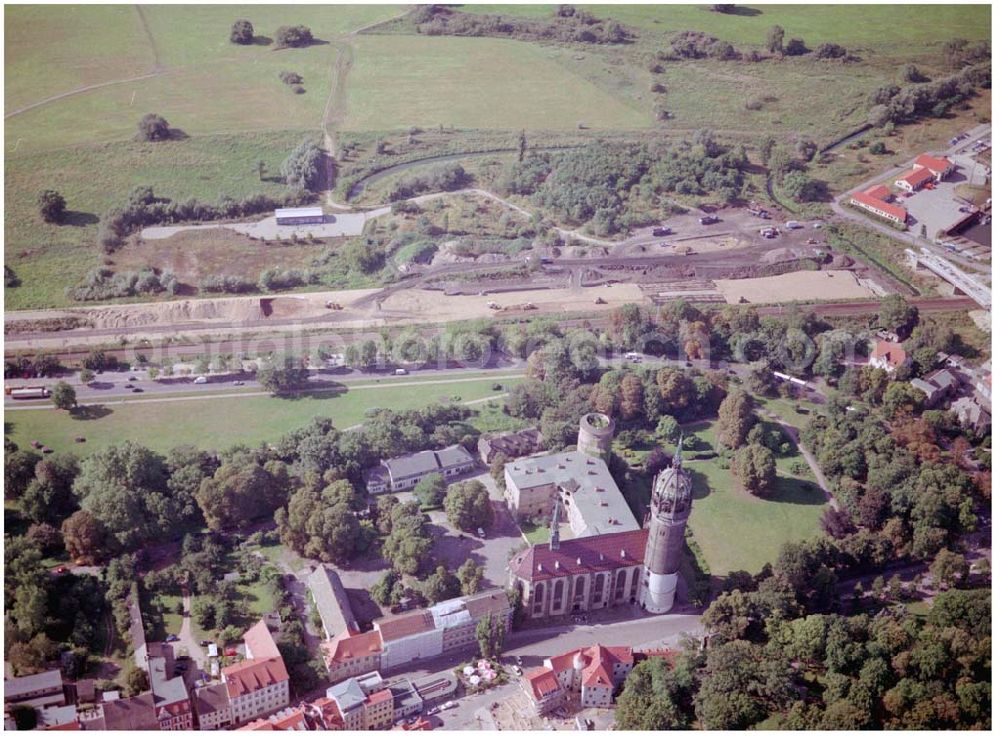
[926,168]
[351,654]
[889,356]
[875,200]
[257,686]
[593,673]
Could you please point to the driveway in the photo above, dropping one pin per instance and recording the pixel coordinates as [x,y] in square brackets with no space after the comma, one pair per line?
[186,640]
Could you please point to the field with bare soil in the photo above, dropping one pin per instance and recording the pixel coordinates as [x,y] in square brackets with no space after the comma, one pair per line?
[822,285]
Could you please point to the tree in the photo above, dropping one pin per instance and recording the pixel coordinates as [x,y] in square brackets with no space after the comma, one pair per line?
[135,680]
[242,490]
[651,699]
[49,497]
[63,396]
[754,467]
[735,419]
[18,472]
[470,575]
[408,543]
[292,36]
[775,39]
[124,486]
[897,315]
[743,684]
[87,376]
[153,127]
[441,585]
[25,716]
[382,590]
[304,166]
[241,32]
[467,505]
[51,206]
[802,187]
[85,538]
[948,569]
[491,633]
[522,146]
[430,491]
[282,374]
[322,525]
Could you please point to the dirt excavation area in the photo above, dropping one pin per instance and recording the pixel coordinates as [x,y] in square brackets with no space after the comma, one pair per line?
[823,284]
[432,305]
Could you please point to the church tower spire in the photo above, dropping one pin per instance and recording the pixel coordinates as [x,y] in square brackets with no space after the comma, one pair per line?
[669,509]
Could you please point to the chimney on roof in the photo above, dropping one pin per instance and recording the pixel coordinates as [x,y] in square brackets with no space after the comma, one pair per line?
[623,554]
[557,564]
[579,561]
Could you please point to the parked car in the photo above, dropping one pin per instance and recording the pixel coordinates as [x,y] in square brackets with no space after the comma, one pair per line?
[230,652]
[204,642]
[137,390]
[662,231]
[172,637]
[449,705]
[480,533]
[237,382]
[129,386]
[401,371]
[201,380]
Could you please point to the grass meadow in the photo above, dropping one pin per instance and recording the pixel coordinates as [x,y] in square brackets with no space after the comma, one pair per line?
[221,422]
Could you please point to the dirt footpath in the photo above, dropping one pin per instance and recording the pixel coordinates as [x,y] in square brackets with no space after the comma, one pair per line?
[804,285]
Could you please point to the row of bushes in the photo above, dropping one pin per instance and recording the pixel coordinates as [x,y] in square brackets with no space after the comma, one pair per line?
[911,102]
[103,283]
[145,209]
[444,177]
[567,25]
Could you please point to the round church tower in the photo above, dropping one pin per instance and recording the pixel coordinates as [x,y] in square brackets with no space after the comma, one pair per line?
[669,509]
[595,435]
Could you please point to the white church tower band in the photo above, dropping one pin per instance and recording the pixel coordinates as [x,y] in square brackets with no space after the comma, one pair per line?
[669,509]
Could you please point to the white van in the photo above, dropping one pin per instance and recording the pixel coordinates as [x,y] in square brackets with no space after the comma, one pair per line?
[793,224]
[201,380]
[401,371]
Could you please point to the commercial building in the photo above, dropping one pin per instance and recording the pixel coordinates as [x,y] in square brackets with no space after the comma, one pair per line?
[39,690]
[592,674]
[257,686]
[581,483]
[404,472]
[926,168]
[331,601]
[299,216]
[875,200]
[362,704]
[511,445]
[406,700]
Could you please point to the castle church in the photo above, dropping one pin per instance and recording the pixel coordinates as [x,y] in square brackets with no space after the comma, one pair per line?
[593,572]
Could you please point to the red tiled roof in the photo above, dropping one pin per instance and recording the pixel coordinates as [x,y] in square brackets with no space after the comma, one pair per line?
[589,554]
[260,643]
[350,646]
[892,352]
[406,624]
[260,724]
[895,211]
[73,725]
[542,682]
[379,697]
[286,723]
[879,191]
[596,674]
[251,675]
[933,163]
[916,177]
[667,654]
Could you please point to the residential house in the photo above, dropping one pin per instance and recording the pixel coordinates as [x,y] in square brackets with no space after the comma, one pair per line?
[257,686]
[914,179]
[123,714]
[971,415]
[404,472]
[170,697]
[352,654]
[287,719]
[331,601]
[888,356]
[360,709]
[211,705]
[937,386]
[512,445]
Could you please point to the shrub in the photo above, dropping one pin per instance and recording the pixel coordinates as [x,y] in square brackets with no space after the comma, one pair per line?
[298,90]
[292,36]
[796,47]
[830,51]
[51,206]
[102,283]
[290,78]
[241,33]
[877,148]
[443,177]
[226,284]
[153,127]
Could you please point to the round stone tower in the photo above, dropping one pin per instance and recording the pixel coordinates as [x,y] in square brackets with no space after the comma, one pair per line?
[596,433]
[669,509]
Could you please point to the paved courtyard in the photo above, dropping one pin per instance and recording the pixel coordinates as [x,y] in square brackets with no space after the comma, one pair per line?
[341,224]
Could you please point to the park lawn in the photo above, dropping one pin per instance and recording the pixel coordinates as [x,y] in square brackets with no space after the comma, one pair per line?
[48,258]
[51,49]
[880,26]
[401,81]
[535,534]
[222,422]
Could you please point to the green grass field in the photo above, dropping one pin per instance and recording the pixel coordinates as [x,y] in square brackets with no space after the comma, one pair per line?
[219,423]
[755,528]
[402,81]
